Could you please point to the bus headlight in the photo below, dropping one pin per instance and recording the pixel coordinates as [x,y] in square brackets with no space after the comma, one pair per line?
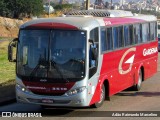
[23,89]
[75,91]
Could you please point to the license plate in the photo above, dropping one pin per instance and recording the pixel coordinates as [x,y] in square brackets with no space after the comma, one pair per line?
[47,101]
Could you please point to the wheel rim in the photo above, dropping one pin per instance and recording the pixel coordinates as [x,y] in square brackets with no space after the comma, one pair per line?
[140,79]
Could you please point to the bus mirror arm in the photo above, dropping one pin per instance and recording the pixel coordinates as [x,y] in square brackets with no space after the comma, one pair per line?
[11,45]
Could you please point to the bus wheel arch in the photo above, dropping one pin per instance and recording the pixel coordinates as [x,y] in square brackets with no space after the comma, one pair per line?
[104,94]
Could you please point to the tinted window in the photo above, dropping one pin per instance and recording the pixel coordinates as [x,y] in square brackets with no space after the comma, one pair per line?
[115,37]
[131,35]
[152,31]
[109,39]
[94,34]
[137,33]
[126,35]
[118,37]
[103,40]
[145,32]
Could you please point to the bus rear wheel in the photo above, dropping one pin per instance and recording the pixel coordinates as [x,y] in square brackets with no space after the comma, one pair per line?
[138,86]
[102,98]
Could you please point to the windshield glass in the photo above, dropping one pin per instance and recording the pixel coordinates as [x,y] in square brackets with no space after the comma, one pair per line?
[55,54]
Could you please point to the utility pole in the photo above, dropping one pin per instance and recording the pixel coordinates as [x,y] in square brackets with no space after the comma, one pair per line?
[49,7]
[87,4]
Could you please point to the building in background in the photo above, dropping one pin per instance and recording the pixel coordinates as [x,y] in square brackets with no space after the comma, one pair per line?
[122,2]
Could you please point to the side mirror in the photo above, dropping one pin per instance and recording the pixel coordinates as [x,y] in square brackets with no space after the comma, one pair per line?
[12,45]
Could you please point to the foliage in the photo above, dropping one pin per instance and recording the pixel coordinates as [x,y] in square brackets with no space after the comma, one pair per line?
[107,5]
[7,69]
[20,8]
[3,8]
[63,7]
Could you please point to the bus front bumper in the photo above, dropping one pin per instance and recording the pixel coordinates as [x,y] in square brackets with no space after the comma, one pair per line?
[77,100]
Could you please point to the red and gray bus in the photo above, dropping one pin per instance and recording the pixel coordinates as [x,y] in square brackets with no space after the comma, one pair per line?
[84,57]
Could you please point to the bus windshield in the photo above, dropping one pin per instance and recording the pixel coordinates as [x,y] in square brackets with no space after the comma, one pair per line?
[54,54]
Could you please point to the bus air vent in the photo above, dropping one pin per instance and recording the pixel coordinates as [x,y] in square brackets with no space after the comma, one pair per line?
[100,13]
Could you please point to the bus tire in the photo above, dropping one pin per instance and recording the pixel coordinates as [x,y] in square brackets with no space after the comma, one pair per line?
[102,98]
[138,86]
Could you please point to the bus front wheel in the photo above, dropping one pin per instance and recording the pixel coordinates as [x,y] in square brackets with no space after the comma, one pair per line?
[102,98]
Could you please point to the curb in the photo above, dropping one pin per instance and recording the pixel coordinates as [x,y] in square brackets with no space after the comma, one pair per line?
[7,101]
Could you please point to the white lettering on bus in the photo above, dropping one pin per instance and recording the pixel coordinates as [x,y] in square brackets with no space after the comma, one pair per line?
[149,51]
[107,22]
[57,88]
[129,61]
[34,87]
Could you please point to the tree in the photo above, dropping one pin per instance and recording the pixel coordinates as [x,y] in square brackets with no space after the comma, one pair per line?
[19,8]
[15,7]
[63,7]
[3,9]
[34,7]
[107,5]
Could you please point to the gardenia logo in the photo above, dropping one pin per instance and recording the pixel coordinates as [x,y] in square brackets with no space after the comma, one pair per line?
[149,51]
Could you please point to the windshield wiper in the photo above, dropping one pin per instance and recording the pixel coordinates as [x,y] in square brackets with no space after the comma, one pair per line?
[53,63]
[41,62]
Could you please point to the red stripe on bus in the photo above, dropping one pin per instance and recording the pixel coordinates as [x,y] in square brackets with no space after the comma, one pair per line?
[52,25]
[120,21]
[37,87]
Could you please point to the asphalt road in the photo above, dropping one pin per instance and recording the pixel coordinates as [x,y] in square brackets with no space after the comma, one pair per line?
[147,99]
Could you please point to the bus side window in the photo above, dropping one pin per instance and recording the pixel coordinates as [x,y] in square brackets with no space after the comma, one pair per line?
[115,37]
[109,39]
[145,32]
[132,42]
[103,40]
[120,37]
[126,35]
[137,33]
[106,39]
[152,31]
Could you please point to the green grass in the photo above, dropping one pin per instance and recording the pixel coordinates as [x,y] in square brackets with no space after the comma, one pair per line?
[3,38]
[7,69]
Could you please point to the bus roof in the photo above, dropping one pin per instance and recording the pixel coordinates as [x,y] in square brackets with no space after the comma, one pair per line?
[62,22]
[85,21]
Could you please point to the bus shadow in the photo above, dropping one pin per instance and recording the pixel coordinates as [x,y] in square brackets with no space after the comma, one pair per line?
[56,112]
[7,91]
[61,111]
[145,94]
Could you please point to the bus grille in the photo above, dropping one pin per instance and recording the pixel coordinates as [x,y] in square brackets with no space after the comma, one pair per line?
[48,94]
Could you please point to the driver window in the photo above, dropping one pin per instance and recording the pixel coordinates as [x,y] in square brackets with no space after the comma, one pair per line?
[93,51]
[94,34]
[93,48]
